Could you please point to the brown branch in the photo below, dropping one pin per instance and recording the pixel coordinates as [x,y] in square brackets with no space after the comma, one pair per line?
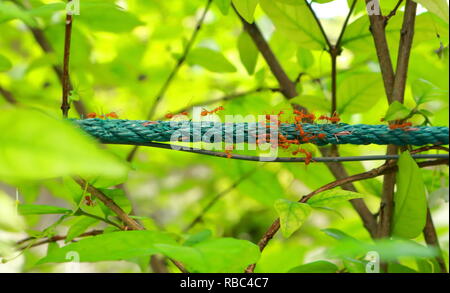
[173,73]
[344,26]
[432,240]
[377,29]
[131,223]
[406,38]
[56,238]
[404,51]
[65,105]
[8,96]
[45,45]
[384,169]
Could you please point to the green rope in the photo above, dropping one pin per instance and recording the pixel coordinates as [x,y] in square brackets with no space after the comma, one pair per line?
[142,131]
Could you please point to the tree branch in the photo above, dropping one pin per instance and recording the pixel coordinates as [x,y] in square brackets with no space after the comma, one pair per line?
[384,169]
[65,105]
[319,24]
[219,196]
[377,28]
[131,223]
[45,45]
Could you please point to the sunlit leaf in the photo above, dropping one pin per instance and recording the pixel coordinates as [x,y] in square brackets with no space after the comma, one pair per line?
[5,64]
[36,146]
[410,209]
[209,59]
[438,7]
[247,52]
[396,111]
[292,215]
[214,255]
[246,8]
[111,246]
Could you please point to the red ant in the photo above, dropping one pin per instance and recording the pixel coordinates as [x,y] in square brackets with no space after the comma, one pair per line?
[402,125]
[149,123]
[308,155]
[89,201]
[108,115]
[333,119]
[228,150]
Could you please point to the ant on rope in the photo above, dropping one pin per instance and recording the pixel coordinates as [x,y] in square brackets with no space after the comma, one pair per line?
[308,155]
[214,111]
[111,115]
[89,201]
[403,126]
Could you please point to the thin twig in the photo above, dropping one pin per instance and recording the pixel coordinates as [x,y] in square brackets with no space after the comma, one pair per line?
[56,238]
[65,105]
[83,213]
[219,196]
[131,223]
[384,169]
[377,29]
[393,12]
[173,73]
[45,45]
[344,26]
[180,61]
[319,24]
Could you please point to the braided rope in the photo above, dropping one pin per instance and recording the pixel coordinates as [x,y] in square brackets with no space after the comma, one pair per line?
[142,131]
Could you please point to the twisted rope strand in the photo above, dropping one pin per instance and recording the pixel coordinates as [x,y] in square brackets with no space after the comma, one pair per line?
[138,132]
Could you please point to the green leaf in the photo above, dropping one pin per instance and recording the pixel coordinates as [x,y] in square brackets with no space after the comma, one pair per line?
[410,209]
[222,255]
[438,7]
[246,8]
[36,209]
[332,196]
[355,89]
[320,266]
[36,146]
[296,22]
[121,245]
[424,91]
[305,58]
[10,220]
[396,111]
[209,59]
[292,215]
[247,52]
[107,17]
[5,64]
[224,5]
[198,237]
[47,10]
[79,227]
